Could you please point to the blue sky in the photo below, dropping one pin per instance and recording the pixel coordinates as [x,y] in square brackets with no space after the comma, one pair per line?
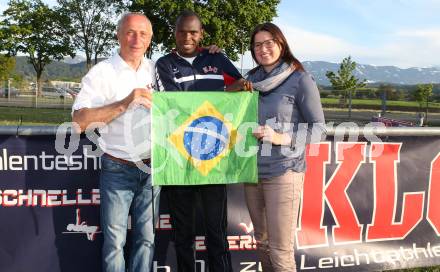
[403,33]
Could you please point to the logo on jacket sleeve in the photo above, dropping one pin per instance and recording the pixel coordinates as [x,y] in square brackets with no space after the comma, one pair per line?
[210,69]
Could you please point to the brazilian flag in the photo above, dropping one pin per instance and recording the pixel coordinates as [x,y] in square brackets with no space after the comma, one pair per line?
[204,138]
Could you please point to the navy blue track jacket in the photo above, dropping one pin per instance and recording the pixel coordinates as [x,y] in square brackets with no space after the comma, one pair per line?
[209,72]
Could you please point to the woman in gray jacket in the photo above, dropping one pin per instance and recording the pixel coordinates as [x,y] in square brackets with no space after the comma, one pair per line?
[290,116]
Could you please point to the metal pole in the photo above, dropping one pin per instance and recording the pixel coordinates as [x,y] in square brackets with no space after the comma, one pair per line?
[36,94]
[242,55]
[384,102]
[330,130]
[349,104]
[9,90]
[426,115]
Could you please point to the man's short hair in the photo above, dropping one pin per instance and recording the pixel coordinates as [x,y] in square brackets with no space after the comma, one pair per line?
[125,16]
[186,14]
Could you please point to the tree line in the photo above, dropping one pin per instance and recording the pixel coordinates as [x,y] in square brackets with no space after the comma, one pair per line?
[45,34]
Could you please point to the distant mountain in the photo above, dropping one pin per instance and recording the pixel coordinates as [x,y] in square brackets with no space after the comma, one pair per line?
[376,74]
[55,70]
[373,74]
[76,59]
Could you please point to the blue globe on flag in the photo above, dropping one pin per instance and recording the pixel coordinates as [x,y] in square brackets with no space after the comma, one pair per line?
[205,138]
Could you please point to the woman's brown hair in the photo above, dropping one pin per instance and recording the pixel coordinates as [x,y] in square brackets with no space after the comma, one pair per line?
[280,39]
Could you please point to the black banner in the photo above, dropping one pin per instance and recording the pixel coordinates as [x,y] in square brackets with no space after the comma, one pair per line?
[365,206]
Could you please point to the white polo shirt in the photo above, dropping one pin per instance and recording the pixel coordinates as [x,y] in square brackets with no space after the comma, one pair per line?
[127,136]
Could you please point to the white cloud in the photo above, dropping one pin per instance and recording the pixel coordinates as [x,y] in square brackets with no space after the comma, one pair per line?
[3,7]
[428,35]
[307,45]
[404,48]
[410,48]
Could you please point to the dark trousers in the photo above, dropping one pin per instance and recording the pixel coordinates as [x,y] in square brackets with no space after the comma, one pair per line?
[182,204]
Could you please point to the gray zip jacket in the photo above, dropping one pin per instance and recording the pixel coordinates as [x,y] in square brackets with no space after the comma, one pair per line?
[292,107]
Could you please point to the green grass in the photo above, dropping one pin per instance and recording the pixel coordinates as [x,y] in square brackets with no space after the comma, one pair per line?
[32,116]
[10,115]
[378,102]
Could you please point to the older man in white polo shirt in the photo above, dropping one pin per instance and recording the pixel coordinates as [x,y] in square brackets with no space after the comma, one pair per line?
[116,97]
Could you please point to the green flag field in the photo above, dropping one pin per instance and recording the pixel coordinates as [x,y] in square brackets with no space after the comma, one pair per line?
[204,138]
